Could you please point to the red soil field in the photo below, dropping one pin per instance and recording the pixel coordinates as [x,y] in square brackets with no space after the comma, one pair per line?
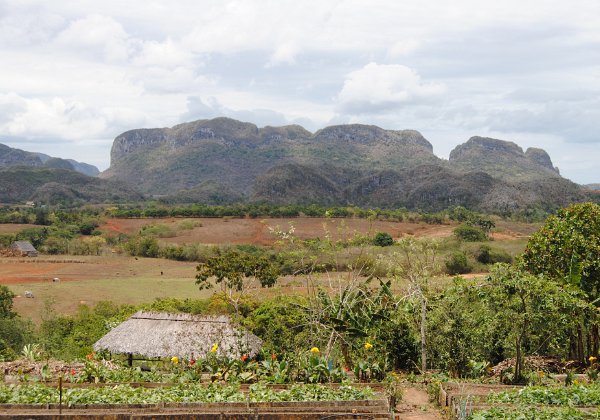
[221,231]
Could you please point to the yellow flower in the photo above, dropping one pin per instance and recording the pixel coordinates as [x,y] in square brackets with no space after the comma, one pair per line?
[174,360]
[592,359]
[214,348]
[314,350]
[368,346]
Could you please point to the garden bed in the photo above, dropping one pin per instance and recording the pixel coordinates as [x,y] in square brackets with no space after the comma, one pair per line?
[491,401]
[177,401]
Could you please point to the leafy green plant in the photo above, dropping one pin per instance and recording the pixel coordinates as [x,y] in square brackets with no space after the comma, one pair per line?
[457,263]
[315,369]
[574,395]
[393,388]
[125,394]
[469,233]
[383,239]
[477,369]
[31,352]
[530,413]
[275,371]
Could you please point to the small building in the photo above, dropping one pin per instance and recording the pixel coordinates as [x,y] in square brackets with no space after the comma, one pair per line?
[165,335]
[25,248]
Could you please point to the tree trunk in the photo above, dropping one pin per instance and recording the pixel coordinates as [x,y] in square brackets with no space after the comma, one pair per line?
[518,361]
[347,355]
[580,353]
[330,344]
[423,332]
[595,340]
[572,347]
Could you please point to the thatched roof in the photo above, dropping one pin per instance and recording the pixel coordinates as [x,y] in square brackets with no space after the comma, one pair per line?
[165,335]
[24,246]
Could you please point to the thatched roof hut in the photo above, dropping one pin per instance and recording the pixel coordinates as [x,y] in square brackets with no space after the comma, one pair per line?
[154,334]
[25,248]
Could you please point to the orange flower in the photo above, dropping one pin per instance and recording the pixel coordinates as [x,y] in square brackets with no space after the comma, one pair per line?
[244,357]
[90,356]
[273,356]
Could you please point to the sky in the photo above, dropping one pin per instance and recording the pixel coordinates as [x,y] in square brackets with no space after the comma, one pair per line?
[75,74]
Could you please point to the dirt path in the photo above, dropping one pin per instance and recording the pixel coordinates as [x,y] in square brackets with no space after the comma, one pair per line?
[415,405]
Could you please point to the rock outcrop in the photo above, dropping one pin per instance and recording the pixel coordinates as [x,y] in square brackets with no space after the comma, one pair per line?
[343,164]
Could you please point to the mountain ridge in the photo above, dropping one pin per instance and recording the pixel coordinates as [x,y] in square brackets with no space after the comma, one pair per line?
[10,157]
[341,164]
[60,186]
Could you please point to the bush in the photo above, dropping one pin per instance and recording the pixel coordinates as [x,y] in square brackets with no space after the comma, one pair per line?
[470,233]
[142,247]
[173,252]
[383,239]
[488,255]
[88,227]
[56,246]
[282,323]
[458,263]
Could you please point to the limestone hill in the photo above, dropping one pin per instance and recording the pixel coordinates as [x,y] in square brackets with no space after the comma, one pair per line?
[224,160]
[10,157]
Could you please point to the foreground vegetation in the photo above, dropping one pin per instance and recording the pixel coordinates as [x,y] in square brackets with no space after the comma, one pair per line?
[126,394]
[359,324]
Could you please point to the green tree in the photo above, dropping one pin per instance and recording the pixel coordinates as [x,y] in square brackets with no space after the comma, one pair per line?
[236,273]
[14,332]
[6,302]
[282,324]
[536,313]
[463,332]
[567,248]
[37,236]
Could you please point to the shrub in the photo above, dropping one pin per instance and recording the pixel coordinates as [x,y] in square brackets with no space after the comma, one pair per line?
[87,245]
[173,252]
[88,227]
[142,247]
[488,255]
[56,246]
[458,263]
[470,233]
[383,239]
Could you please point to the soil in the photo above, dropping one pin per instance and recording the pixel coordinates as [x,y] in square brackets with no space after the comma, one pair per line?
[415,405]
[220,231]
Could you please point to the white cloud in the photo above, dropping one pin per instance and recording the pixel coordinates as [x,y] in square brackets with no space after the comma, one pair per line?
[284,54]
[381,87]
[167,54]
[61,118]
[97,35]
[75,71]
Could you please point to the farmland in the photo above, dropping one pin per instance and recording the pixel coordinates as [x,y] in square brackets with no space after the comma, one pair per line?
[344,286]
[127,280]
[223,231]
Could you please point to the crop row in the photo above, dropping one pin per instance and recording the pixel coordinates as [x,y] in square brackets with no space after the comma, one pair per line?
[188,393]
